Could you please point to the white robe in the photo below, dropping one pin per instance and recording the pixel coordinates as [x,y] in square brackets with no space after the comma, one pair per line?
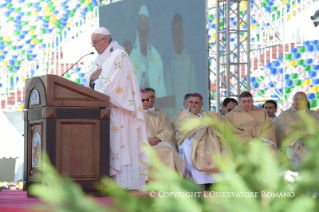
[185,151]
[149,68]
[99,60]
[128,137]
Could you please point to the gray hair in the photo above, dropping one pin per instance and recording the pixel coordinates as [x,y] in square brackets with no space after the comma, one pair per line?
[108,37]
[144,91]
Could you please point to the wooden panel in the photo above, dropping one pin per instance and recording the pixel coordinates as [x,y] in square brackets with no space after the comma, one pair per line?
[34,128]
[30,85]
[78,148]
[63,92]
[49,135]
[78,113]
[48,113]
[35,114]
[105,148]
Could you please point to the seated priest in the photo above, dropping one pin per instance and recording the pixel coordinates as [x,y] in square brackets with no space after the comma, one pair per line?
[228,105]
[271,108]
[186,99]
[161,113]
[250,122]
[185,103]
[160,137]
[290,124]
[200,142]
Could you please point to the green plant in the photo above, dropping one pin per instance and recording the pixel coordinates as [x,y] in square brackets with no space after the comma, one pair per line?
[258,181]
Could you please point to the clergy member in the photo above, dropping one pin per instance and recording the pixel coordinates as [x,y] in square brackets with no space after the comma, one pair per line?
[146,59]
[200,144]
[160,136]
[181,77]
[228,105]
[186,100]
[128,160]
[161,113]
[289,124]
[101,39]
[250,122]
[185,103]
[271,108]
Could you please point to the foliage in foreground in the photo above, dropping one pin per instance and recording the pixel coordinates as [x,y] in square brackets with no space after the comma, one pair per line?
[259,182]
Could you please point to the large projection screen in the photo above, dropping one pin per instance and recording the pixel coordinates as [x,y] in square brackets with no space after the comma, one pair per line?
[167,43]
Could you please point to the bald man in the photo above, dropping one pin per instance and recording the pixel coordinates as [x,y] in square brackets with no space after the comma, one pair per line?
[289,124]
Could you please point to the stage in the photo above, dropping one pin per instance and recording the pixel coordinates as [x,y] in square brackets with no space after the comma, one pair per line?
[17,201]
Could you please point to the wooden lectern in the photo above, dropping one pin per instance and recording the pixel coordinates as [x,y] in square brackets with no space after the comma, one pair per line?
[71,124]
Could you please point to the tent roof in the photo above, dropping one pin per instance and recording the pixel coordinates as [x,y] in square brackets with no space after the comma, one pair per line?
[11,141]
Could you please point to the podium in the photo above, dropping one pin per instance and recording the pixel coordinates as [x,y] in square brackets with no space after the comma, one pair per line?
[70,123]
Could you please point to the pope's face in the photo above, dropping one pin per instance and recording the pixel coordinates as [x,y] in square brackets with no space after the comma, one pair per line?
[100,43]
[195,105]
[145,100]
[229,107]
[143,32]
[152,99]
[246,103]
[300,101]
[178,36]
[270,108]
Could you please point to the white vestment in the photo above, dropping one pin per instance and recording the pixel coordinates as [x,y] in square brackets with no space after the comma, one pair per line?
[185,151]
[99,60]
[128,137]
[149,68]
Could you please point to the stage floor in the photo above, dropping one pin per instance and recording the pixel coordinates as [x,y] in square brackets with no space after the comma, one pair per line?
[17,201]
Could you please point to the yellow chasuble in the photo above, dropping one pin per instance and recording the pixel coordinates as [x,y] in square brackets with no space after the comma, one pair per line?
[254,124]
[166,151]
[208,145]
[163,115]
[289,124]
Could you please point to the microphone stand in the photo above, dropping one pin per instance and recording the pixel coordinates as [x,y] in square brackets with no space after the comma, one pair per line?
[76,63]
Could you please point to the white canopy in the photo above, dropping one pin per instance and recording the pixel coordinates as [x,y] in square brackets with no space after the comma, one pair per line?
[11,145]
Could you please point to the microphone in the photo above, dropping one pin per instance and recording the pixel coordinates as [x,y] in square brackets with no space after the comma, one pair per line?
[76,63]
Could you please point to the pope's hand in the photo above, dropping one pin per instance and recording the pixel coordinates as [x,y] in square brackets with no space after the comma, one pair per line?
[95,75]
[153,141]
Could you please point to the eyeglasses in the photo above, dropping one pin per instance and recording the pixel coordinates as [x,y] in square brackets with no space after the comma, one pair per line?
[95,42]
[143,100]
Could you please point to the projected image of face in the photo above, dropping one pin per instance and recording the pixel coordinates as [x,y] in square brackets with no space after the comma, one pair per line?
[167,43]
[146,59]
[181,77]
[128,47]
[143,30]
[178,33]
